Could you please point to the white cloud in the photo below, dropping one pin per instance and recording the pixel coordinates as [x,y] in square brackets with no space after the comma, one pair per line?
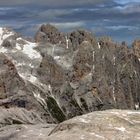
[68,25]
[126,1]
[120,27]
[132,9]
[129,8]
[53,13]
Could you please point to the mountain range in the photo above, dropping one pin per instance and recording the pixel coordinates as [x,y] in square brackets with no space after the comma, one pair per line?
[57,76]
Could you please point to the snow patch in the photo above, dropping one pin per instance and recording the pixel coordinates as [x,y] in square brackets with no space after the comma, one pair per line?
[41,134]
[63,61]
[19,64]
[121,129]
[116,113]
[39,98]
[28,77]
[137,106]
[32,66]
[114,98]
[67,42]
[32,78]
[28,49]
[134,112]
[50,88]
[56,57]
[114,60]
[3,50]
[18,47]
[97,135]
[99,46]
[135,72]
[84,120]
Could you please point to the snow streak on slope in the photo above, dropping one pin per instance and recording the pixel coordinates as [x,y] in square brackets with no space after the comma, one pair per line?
[21,55]
[25,58]
[28,49]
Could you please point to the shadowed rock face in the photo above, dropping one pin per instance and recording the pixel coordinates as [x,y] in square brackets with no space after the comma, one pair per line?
[76,38]
[15,92]
[58,81]
[9,78]
[18,116]
[49,33]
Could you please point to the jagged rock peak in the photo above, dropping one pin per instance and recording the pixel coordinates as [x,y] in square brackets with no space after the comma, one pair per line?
[106,41]
[77,37]
[49,33]
[136,48]
[48,28]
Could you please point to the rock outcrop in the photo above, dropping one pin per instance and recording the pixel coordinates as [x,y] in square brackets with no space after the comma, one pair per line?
[76,38]
[136,48]
[13,116]
[98,125]
[48,33]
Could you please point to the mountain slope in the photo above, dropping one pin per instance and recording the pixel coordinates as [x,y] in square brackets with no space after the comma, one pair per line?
[98,125]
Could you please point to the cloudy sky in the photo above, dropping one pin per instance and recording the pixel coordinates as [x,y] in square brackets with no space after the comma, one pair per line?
[117,18]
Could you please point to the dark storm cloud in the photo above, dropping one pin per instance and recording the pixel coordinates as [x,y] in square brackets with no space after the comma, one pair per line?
[104,17]
[52,3]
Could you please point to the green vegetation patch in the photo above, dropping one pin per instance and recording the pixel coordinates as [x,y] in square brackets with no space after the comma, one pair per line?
[55,110]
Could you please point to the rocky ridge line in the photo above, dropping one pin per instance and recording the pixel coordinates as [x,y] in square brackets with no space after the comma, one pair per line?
[64,75]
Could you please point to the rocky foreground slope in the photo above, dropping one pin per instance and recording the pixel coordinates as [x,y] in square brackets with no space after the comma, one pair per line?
[98,125]
[61,75]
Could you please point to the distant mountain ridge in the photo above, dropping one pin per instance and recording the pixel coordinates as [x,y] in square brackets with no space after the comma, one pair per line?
[61,75]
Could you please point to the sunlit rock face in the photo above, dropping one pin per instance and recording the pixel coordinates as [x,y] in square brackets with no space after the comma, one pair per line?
[111,124]
[61,76]
[136,48]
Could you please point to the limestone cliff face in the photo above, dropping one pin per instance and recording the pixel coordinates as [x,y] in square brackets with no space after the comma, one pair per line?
[136,48]
[65,75]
